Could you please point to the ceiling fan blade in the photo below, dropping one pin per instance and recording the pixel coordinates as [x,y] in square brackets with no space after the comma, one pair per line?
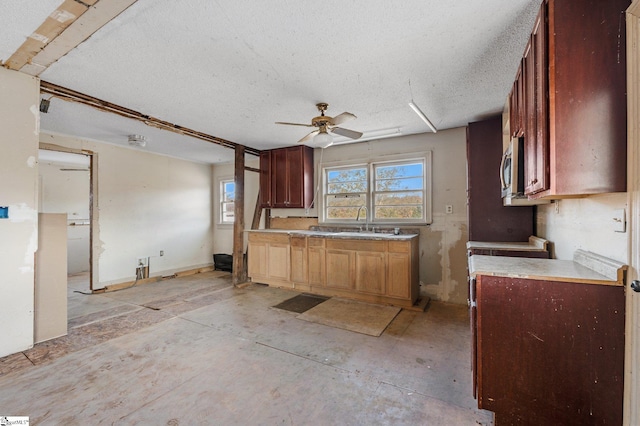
[295,124]
[341,118]
[309,136]
[346,132]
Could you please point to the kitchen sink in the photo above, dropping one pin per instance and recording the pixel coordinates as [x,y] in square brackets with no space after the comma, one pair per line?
[364,234]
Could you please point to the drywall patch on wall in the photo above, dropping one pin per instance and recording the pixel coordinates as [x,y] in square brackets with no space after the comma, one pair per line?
[19,213]
[29,259]
[36,114]
[430,241]
[452,257]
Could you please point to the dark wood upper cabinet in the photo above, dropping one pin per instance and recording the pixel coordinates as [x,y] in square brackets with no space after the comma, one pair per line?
[265,179]
[286,177]
[574,109]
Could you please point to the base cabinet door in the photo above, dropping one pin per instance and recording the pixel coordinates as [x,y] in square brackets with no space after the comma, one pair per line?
[399,275]
[269,259]
[340,265]
[299,260]
[279,261]
[257,260]
[550,352]
[370,272]
[316,261]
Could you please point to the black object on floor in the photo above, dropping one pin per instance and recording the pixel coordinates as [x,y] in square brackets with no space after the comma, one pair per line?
[301,303]
[223,262]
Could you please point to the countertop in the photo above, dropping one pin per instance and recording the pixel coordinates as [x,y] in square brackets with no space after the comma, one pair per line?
[353,235]
[586,267]
[534,244]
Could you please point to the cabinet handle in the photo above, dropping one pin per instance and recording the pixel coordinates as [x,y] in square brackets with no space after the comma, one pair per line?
[635,286]
[533,182]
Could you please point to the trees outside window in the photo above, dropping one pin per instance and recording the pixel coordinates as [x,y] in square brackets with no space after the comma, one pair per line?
[383,192]
[227,201]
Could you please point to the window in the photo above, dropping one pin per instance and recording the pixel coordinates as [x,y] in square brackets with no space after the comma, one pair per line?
[346,191]
[397,191]
[227,198]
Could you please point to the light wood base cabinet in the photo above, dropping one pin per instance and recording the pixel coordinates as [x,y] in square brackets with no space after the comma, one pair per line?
[269,259]
[377,271]
[316,261]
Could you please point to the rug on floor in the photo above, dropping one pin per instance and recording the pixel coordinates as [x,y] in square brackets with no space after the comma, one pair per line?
[301,303]
[365,318]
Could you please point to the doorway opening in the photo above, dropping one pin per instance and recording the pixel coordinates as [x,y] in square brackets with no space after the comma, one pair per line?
[66,186]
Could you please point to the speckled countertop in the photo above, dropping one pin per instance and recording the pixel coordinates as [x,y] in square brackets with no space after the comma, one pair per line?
[586,268]
[534,244]
[353,235]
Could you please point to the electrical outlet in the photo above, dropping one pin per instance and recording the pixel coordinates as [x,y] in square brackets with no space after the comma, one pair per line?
[161,252]
[448,209]
[619,221]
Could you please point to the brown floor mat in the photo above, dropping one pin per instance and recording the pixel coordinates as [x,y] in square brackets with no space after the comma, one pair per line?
[301,303]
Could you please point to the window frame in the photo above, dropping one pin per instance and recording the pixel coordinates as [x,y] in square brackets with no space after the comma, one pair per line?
[221,200]
[424,157]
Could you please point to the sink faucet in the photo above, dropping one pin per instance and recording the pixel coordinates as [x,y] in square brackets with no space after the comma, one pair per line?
[366,217]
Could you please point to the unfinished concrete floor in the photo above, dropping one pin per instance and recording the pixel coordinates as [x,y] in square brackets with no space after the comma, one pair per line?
[194,350]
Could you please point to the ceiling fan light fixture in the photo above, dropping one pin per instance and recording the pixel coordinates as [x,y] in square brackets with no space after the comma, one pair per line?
[422,115]
[323,139]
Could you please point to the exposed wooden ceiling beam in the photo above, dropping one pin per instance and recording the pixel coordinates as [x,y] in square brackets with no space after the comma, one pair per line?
[70,24]
[72,95]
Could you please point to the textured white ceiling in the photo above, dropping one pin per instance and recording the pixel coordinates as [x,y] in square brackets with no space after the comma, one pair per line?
[231,68]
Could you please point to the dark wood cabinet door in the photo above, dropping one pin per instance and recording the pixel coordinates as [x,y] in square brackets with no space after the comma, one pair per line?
[550,352]
[514,108]
[521,100]
[279,178]
[587,89]
[265,179]
[536,137]
[295,176]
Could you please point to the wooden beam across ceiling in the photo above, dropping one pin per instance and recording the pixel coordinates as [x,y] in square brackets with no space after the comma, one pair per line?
[65,28]
[74,96]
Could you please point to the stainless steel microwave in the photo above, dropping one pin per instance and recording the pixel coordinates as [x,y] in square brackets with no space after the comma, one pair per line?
[512,176]
[512,169]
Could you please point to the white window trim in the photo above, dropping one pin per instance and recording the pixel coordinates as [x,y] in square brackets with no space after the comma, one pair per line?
[425,156]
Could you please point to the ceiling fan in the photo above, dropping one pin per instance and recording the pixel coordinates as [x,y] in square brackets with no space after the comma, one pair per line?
[326,124]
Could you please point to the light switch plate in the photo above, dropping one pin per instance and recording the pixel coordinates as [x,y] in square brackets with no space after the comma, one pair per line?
[619,220]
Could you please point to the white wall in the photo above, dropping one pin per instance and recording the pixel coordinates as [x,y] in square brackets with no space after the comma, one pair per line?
[223,234]
[19,127]
[443,261]
[584,223]
[68,192]
[147,203]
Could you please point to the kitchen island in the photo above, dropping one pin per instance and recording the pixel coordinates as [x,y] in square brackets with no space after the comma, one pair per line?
[367,266]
